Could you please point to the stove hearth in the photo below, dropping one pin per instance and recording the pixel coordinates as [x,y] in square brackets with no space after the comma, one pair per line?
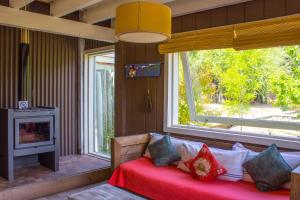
[27,137]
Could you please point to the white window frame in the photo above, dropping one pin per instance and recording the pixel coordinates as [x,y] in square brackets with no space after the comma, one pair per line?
[171,114]
[87,106]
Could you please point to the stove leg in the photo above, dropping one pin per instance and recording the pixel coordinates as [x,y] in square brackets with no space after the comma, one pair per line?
[49,160]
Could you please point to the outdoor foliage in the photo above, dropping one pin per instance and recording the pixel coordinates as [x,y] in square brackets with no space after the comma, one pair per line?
[104,110]
[239,79]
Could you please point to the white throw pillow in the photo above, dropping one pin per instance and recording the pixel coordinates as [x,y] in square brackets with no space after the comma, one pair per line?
[291,158]
[187,152]
[230,159]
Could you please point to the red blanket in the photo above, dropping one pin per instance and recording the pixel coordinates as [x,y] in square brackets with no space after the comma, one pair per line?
[142,177]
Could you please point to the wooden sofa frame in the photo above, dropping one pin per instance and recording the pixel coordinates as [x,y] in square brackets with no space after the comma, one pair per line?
[128,148]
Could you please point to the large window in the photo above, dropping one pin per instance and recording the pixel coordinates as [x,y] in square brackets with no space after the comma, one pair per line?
[250,95]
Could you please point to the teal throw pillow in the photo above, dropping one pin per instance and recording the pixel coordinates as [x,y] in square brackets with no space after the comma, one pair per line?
[268,169]
[163,152]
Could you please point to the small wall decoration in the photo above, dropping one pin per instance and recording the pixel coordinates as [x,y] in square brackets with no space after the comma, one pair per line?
[142,70]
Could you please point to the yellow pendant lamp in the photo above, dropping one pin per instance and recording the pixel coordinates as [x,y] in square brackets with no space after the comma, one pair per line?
[143,22]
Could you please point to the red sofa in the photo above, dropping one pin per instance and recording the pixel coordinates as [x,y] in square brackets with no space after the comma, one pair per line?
[164,183]
[139,175]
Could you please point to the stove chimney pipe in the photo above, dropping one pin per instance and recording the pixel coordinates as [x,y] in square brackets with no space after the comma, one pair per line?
[23,84]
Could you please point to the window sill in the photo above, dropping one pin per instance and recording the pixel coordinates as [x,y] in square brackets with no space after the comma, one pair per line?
[101,156]
[289,143]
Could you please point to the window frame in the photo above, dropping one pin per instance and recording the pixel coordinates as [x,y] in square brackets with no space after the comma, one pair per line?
[171,115]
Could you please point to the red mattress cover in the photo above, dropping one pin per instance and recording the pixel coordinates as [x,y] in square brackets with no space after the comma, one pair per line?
[142,177]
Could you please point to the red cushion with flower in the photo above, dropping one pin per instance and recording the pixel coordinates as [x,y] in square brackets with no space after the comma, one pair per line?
[205,166]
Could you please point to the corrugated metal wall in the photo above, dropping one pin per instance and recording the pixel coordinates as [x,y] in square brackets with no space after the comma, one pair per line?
[9,39]
[54,67]
[53,61]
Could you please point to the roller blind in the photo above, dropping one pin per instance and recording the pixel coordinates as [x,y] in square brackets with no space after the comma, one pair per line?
[274,32]
[281,31]
[205,39]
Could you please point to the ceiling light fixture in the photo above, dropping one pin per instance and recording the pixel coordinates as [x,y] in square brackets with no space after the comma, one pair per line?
[143,22]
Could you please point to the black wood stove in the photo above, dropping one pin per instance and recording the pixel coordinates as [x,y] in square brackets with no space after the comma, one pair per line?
[28,137]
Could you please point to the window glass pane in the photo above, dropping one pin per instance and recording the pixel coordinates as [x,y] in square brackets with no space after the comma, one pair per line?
[103,102]
[259,84]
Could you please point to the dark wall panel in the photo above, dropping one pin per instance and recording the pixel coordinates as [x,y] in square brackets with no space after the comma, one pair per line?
[254,10]
[203,20]
[54,66]
[92,44]
[4,2]
[131,115]
[236,14]
[274,8]
[239,13]
[292,6]
[219,16]
[9,40]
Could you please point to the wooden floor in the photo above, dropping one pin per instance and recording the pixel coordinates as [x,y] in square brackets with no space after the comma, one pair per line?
[64,195]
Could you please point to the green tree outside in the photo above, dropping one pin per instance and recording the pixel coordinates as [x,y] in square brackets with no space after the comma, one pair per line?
[239,79]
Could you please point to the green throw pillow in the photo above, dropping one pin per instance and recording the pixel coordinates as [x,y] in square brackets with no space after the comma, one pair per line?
[268,169]
[163,152]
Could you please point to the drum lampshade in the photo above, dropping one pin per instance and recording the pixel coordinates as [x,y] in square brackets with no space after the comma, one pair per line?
[143,22]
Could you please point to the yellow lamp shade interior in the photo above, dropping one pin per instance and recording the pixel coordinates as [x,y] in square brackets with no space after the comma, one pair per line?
[143,22]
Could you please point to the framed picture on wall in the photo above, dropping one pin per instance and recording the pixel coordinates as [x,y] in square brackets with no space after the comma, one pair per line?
[142,70]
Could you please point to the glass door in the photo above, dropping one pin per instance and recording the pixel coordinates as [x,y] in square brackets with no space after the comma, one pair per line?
[104,102]
[99,102]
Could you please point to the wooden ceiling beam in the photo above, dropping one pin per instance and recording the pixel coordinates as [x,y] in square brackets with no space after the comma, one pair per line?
[107,10]
[59,8]
[19,3]
[38,22]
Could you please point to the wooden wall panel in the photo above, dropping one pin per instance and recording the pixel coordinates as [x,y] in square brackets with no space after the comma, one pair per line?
[54,67]
[219,16]
[4,2]
[9,40]
[236,14]
[131,116]
[203,20]
[292,6]
[274,8]
[239,13]
[92,44]
[254,10]
[188,22]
